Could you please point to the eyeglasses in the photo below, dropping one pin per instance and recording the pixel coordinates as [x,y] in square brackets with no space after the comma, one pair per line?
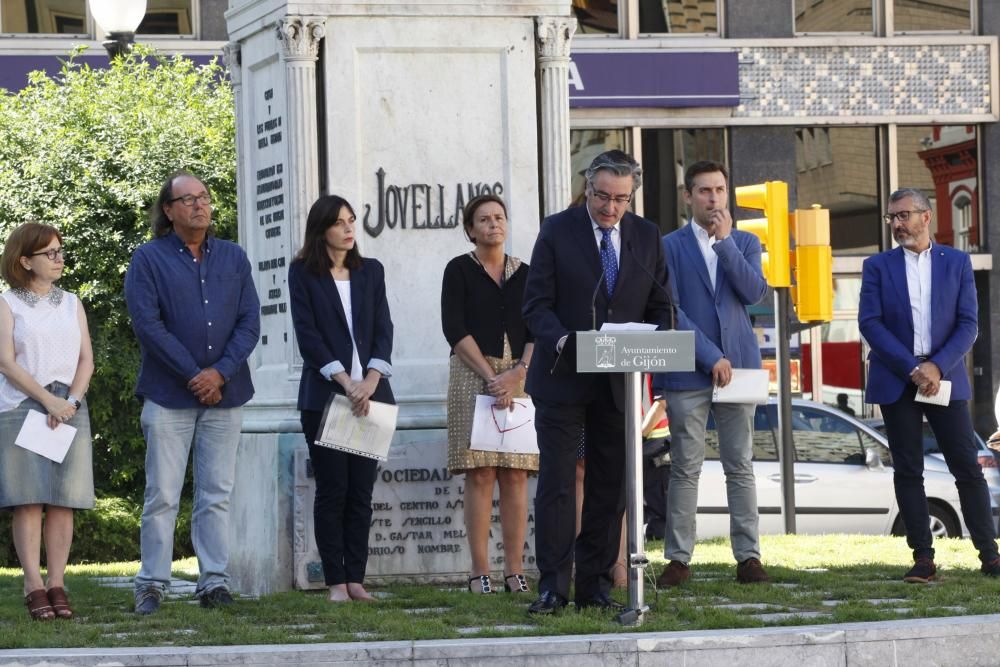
[605,197]
[903,216]
[52,254]
[189,200]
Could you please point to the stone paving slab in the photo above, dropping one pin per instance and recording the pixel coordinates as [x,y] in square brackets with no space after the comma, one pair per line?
[931,641]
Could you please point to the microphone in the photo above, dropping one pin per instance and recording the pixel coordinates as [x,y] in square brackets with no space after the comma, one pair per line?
[593,298]
[666,292]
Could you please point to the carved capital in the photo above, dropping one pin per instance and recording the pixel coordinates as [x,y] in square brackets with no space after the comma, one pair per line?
[553,36]
[231,56]
[299,36]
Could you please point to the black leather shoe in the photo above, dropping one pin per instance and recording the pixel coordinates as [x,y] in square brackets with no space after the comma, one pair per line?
[599,601]
[547,603]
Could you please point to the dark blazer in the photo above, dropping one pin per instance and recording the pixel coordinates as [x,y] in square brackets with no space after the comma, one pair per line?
[322,333]
[565,269]
[718,317]
[886,322]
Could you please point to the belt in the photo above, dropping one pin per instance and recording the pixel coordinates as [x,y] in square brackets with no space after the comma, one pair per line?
[922,358]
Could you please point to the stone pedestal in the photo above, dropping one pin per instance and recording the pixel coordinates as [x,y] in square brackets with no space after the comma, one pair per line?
[407,110]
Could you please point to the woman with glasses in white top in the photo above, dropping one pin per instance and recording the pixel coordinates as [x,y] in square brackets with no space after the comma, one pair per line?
[46,364]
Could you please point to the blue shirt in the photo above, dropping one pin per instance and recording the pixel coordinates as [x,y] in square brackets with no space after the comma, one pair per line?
[190,315]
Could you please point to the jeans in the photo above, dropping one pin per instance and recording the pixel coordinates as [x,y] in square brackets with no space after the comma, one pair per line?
[170,434]
[952,428]
[688,411]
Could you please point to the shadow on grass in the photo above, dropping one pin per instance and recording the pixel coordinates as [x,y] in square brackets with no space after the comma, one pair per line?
[815,580]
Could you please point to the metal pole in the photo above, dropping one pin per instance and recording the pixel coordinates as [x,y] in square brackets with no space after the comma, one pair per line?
[633,502]
[786,447]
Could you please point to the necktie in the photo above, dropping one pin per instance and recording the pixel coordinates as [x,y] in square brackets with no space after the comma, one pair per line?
[608,261]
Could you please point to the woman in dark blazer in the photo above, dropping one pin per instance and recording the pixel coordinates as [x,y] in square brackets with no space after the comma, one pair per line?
[344,332]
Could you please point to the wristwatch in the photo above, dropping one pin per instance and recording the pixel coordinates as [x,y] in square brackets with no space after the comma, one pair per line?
[74,400]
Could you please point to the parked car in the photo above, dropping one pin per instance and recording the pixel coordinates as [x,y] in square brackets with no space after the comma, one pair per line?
[843,478]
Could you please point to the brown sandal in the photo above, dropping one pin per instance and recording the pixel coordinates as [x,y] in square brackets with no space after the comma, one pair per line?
[60,602]
[38,605]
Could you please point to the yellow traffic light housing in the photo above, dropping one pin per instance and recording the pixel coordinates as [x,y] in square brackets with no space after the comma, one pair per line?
[771,198]
[813,265]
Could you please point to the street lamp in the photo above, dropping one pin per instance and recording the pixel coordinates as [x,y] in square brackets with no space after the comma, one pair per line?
[118,19]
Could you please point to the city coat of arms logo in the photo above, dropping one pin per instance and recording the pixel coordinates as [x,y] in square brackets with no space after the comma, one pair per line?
[604,349]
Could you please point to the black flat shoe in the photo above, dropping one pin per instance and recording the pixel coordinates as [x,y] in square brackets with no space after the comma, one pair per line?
[519,585]
[547,603]
[599,601]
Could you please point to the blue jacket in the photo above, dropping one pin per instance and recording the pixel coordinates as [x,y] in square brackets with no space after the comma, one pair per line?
[565,269]
[886,322]
[321,330]
[718,317]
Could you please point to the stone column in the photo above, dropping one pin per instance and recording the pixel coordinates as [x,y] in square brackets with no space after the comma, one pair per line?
[299,37]
[554,35]
[231,57]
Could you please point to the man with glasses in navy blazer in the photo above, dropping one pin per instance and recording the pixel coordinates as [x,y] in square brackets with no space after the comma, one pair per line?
[591,264]
[918,314]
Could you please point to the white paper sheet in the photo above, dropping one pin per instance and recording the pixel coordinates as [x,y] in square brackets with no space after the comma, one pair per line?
[943,397]
[36,436]
[748,385]
[366,436]
[502,430]
[628,326]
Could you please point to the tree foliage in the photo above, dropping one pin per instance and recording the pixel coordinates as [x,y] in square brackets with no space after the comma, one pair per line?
[87,150]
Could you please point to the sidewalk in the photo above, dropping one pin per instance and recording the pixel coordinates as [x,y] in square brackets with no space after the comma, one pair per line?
[966,640]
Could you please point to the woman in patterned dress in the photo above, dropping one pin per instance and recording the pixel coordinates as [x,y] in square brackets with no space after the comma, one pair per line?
[45,365]
[481,298]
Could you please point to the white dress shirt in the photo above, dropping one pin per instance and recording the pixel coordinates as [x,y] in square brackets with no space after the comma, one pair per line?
[918,283]
[705,243]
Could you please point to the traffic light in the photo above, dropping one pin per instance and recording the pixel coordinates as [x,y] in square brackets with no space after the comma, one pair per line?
[813,265]
[772,230]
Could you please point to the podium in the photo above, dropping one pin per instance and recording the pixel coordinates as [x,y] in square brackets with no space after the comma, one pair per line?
[634,353]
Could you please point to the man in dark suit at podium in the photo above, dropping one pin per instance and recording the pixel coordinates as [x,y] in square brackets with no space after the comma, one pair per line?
[591,264]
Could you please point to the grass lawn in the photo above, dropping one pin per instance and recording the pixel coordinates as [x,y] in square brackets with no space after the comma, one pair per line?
[843,578]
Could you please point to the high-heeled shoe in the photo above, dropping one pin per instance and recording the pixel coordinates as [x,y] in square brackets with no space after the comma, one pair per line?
[485,585]
[520,585]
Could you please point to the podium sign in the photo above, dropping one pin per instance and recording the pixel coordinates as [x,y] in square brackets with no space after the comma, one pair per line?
[634,351]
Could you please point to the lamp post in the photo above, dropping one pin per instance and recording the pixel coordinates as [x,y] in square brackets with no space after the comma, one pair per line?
[118,19]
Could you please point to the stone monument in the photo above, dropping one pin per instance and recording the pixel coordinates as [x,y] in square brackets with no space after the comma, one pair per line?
[407,110]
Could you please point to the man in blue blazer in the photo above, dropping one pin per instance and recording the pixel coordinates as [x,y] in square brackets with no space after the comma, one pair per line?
[716,274]
[919,316]
[591,264]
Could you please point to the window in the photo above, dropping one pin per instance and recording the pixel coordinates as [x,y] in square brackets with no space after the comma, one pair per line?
[584,146]
[819,16]
[665,156]
[167,17]
[678,16]
[837,168]
[822,437]
[598,17]
[56,17]
[932,15]
[962,219]
[942,161]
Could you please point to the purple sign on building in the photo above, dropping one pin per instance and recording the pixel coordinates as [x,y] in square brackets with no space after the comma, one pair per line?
[14,69]
[612,79]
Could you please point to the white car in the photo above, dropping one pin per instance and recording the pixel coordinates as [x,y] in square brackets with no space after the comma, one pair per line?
[843,479]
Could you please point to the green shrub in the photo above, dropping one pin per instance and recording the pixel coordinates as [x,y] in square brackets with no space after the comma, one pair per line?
[87,150]
[107,533]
